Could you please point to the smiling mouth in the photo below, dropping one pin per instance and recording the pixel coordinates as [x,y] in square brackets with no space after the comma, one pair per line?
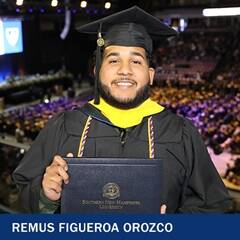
[124,83]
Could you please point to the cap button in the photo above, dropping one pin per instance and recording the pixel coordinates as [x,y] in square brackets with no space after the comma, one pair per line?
[100,42]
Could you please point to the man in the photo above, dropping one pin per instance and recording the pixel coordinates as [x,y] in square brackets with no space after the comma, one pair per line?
[122,121]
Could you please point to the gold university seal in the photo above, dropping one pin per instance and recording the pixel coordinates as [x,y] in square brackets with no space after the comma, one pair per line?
[111,191]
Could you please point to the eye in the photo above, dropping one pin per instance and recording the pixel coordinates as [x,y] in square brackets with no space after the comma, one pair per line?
[136,62]
[113,61]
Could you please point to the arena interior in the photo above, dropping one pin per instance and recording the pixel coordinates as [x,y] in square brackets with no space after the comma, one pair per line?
[197,75]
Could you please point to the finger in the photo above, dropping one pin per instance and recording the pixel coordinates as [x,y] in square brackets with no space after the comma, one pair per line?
[56,178]
[57,160]
[56,173]
[51,171]
[48,179]
[63,174]
[69,155]
[163,209]
[51,185]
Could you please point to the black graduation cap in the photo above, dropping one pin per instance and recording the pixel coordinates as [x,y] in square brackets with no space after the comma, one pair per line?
[131,27]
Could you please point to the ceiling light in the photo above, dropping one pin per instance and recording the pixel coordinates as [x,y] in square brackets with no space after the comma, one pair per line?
[54,3]
[19,2]
[217,12]
[83,4]
[107,5]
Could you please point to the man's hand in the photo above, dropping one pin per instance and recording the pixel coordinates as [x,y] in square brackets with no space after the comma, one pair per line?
[55,174]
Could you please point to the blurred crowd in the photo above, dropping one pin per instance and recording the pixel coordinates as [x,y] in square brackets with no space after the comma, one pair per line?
[190,58]
[216,115]
[27,121]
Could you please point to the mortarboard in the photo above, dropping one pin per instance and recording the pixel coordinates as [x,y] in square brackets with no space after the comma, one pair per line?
[130,27]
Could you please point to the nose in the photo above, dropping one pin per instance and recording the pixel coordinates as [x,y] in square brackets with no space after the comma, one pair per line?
[125,69]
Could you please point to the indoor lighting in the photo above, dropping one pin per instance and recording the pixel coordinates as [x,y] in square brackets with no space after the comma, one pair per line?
[107,5]
[217,12]
[83,4]
[54,3]
[19,2]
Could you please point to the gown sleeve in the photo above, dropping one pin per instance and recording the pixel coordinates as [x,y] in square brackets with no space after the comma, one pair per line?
[29,173]
[203,191]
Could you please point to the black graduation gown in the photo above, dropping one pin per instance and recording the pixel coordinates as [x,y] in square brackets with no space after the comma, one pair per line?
[192,183]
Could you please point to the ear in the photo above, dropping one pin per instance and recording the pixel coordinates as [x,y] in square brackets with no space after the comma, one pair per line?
[151,72]
[94,70]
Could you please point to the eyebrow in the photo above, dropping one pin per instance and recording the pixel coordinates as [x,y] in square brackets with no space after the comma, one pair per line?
[111,54]
[138,54]
[116,54]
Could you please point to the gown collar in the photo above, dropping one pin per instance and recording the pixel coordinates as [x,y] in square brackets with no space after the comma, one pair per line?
[128,118]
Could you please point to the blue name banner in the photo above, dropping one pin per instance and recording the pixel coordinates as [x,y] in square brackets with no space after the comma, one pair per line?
[124,227]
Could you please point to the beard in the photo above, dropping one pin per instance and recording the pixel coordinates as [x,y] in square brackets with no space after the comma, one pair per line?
[128,103]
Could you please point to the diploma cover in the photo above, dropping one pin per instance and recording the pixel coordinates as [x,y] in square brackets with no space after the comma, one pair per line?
[106,185]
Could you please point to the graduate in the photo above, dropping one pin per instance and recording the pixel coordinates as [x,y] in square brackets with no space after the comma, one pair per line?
[123,122]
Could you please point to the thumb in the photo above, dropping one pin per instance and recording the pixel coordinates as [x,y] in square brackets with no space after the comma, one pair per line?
[163,209]
[69,155]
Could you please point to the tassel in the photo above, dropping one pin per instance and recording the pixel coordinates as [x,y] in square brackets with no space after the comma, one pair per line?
[100,43]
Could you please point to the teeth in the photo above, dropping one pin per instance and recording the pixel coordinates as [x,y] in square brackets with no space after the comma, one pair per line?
[124,84]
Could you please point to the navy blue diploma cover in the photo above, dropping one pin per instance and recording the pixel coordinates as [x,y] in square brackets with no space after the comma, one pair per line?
[105,185]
